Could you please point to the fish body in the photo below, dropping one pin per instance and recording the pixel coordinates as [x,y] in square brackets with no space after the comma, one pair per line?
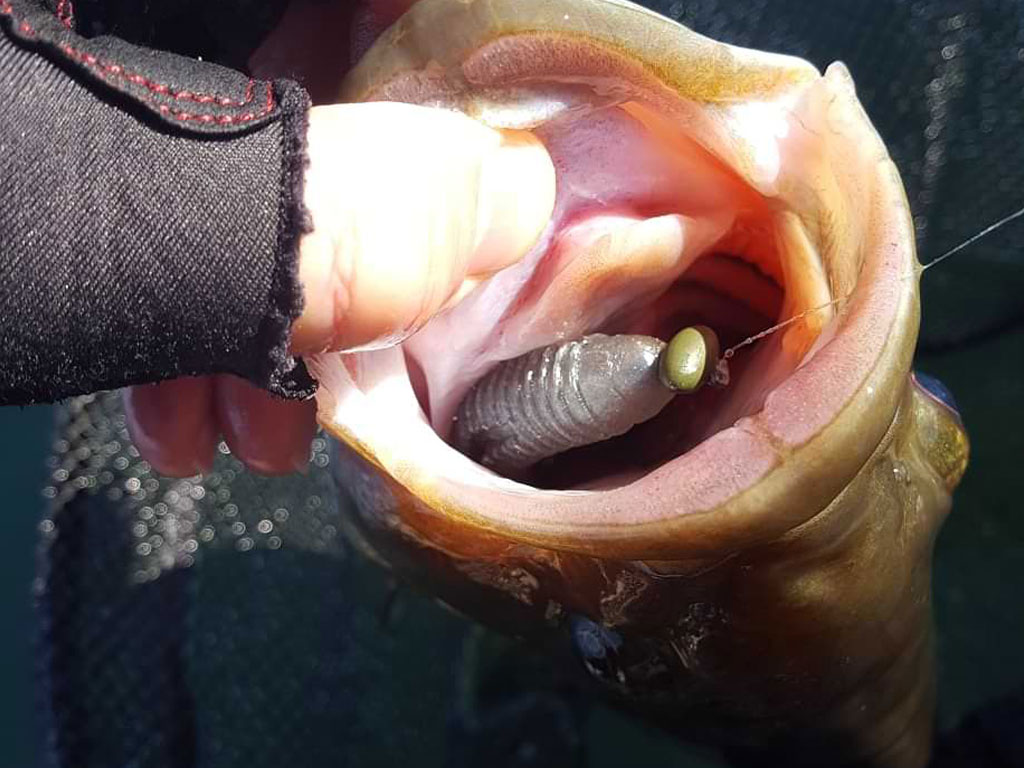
[759,555]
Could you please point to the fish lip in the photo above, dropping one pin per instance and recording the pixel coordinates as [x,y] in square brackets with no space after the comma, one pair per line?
[734,72]
[797,448]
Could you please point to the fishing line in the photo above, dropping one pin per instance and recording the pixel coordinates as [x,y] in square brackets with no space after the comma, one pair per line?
[723,370]
[969,241]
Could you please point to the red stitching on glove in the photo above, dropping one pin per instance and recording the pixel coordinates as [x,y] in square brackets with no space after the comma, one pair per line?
[159,88]
[66,13]
[24,27]
[209,119]
[106,70]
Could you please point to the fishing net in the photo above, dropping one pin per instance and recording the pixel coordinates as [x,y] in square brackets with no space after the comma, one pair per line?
[225,621]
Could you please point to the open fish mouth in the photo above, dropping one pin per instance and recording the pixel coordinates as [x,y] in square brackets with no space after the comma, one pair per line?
[698,183]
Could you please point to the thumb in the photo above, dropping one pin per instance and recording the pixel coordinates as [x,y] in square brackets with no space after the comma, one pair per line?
[407,204]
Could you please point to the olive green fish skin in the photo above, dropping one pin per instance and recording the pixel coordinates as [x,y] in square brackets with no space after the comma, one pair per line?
[818,642]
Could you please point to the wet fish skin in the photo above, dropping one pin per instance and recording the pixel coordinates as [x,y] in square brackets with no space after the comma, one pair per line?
[818,642]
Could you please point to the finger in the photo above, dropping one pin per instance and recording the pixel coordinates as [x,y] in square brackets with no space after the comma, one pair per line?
[270,435]
[173,424]
[407,202]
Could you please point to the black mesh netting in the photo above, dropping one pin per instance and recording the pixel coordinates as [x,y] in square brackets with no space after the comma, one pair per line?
[225,622]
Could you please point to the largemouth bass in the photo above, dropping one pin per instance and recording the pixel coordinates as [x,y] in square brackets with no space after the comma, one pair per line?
[752,566]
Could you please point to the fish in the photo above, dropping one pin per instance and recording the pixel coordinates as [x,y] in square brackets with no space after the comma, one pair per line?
[751,567]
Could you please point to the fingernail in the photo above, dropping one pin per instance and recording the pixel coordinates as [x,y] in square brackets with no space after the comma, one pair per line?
[517,196]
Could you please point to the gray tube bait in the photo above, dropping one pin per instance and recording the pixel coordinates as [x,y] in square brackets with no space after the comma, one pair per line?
[567,395]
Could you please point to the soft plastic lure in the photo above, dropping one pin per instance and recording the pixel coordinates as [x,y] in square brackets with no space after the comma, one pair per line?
[579,392]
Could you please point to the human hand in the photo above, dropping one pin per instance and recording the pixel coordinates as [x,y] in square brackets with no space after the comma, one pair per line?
[410,207]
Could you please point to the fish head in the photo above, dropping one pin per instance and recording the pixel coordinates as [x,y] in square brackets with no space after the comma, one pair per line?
[763,550]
